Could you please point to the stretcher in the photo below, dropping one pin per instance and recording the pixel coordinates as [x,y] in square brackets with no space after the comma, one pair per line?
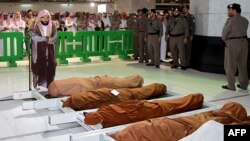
[52,104]
[41,101]
[104,134]
[38,95]
[96,132]
[78,116]
[69,115]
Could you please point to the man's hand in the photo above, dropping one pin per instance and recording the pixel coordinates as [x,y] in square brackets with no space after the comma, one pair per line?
[5,28]
[145,39]
[50,41]
[167,38]
[191,38]
[185,41]
[47,39]
[159,39]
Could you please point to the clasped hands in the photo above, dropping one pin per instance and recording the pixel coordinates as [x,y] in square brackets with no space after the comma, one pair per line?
[48,40]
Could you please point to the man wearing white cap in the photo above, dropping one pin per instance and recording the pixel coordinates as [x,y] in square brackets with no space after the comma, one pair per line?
[70,23]
[106,21]
[6,23]
[5,26]
[43,50]
[19,23]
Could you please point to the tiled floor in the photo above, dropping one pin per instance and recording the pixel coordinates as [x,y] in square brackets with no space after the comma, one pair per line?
[16,124]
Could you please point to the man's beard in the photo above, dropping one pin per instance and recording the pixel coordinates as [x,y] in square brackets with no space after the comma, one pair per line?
[176,16]
[230,15]
[44,23]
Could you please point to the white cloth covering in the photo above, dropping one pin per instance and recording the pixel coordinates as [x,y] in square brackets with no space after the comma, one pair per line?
[107,23]
[163,43]
[209,131]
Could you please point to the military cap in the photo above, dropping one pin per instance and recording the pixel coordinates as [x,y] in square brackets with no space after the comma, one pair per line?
[230,6]
[177,9]
[165,11]
[153,10]
[139,10]
[144,10]
[235,6]
[185,6]
[132,14]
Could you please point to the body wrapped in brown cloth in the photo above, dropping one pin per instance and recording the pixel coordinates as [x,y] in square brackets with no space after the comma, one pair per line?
[75,85]
[103,96]
[138,110]
[165,129]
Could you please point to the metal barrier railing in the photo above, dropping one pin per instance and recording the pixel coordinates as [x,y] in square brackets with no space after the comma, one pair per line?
[83,44]
[91,44]
[64,46]
[11,47]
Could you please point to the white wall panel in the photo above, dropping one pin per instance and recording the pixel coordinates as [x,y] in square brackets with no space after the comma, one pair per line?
[211,15]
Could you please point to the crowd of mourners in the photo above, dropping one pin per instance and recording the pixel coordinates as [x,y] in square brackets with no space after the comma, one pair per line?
[24,21]
[68,21]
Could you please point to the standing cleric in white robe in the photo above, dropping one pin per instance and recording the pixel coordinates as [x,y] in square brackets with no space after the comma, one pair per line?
[106,22]
[163,37]
[43,51]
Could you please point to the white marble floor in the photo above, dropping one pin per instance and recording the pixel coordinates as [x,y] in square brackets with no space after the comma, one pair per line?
[19,125]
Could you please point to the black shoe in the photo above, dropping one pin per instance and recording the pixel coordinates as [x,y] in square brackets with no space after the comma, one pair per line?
[167,57]
[135,58]
[140,61]
[171,62]
[239,86]
[157,66]
[226,87]
[174,67]
[183,68]
[146,61]
[149,64]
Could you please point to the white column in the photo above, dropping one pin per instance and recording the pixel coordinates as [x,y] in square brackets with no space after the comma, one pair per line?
[211,15]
